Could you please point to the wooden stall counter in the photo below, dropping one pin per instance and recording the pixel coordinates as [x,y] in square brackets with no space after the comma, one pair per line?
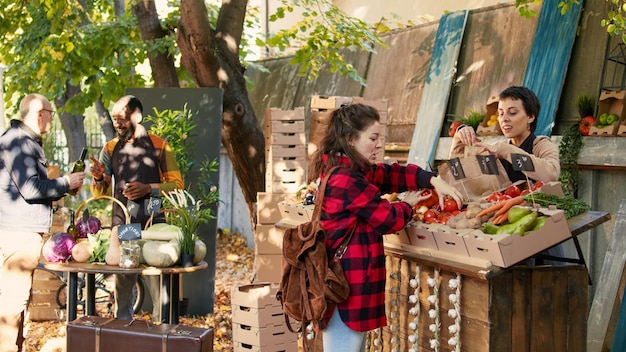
[170,283]
[437,302]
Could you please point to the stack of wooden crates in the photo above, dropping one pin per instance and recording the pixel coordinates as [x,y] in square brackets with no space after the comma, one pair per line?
[258,321]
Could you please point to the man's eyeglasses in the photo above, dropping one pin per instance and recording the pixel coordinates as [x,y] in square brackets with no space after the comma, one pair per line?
[52,112]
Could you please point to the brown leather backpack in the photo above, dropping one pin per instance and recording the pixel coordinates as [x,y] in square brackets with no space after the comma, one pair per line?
[311,283]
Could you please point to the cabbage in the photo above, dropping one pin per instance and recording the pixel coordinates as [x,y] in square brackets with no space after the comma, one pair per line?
[91,226]
[58,248]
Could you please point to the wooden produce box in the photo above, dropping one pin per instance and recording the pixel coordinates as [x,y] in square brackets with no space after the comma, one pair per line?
[267,208]
[499,310]
[258,320]
[268,239]
[423,235]
[610,102]
[505,250]
[492,109]
[324,102]
[295,214]
[286,170]
[267,267]
[43,305]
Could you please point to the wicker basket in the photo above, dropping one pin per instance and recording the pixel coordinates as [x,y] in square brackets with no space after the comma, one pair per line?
[84,204]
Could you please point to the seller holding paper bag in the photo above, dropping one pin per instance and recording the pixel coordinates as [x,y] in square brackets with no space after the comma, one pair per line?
[518,110]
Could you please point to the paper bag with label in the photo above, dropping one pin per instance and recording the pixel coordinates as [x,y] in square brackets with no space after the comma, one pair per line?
[474,178]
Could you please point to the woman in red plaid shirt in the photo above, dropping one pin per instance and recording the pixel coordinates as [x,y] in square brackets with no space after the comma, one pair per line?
[354,194]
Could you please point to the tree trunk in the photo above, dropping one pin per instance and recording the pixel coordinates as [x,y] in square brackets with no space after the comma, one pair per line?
[162,64]
[73,124]
[104,119]
[212,59]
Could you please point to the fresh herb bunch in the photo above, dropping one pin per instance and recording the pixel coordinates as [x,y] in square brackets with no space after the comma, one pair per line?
[188,214]
[586,105]
[570,205]
[472,118]
[99,245]
[569,149]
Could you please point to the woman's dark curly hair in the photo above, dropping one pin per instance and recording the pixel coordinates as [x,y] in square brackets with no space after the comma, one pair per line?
[346,123]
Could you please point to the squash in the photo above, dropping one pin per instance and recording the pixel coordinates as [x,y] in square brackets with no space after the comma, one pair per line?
[81,252]
[199,251]
[161,232]
[112,256]
[160,253]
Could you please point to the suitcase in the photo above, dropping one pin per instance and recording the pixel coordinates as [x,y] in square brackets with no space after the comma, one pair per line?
[99,334]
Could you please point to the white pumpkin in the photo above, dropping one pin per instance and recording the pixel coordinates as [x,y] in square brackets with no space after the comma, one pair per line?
[81,252]
[199,251]
[160,253]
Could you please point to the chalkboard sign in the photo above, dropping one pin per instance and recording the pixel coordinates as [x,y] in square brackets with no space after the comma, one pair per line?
[128,232]
[522,162]
[456,168]
[488,164]
[133,208]
[153,205]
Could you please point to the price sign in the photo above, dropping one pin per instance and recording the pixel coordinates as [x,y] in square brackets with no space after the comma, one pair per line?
[522,162]
[488,164]
[128,232]
[456,168]
[153,205]
[133,208]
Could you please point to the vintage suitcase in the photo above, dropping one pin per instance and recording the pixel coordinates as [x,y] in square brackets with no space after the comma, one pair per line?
[99,334]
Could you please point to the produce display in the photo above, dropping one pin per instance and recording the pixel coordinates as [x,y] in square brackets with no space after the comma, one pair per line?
[159,245]
[517,211]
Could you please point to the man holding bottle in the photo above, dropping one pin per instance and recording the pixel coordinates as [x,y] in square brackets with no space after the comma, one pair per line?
[26,195]
[140,166]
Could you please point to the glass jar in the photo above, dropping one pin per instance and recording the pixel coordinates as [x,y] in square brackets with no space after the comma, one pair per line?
[129,254]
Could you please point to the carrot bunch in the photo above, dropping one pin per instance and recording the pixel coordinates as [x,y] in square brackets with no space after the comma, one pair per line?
[501,209]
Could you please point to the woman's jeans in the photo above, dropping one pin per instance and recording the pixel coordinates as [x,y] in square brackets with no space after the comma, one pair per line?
[340,338]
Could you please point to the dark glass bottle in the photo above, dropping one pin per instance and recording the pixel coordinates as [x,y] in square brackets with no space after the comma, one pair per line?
[71,228]
[79,166]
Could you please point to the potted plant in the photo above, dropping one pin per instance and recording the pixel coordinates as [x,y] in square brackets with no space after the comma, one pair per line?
[188,214]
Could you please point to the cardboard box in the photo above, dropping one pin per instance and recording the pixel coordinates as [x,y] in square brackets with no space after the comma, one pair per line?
[285,152]
[492,109]
[268,239]
[610,102]
[267,267]
[323,102]
[291,138]
[286,170]
[267,336]
[295,214]
[506,250]
[267,211]
[258,317]
[258,295]
[451,240]
[275,114]
[43,305]
[284,187]
[282,347]
[396,239]
[423,235]
[284,126]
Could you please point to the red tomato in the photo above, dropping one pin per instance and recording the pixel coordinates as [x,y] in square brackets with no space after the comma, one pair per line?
[537,185]
[585,125]
[513,191]
[453,128]
[443,218]
[524,192]
[429,202]
[494,197]
[449,205]
[430,216]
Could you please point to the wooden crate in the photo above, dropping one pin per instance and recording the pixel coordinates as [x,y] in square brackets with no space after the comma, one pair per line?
[519,308]
[43,305]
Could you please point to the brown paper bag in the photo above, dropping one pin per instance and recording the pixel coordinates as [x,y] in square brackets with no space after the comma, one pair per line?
[475,184]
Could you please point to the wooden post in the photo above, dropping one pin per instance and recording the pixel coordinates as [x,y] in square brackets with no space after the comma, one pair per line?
[608,284]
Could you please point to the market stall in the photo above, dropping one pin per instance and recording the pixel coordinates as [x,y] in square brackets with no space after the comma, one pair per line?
[438,301]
